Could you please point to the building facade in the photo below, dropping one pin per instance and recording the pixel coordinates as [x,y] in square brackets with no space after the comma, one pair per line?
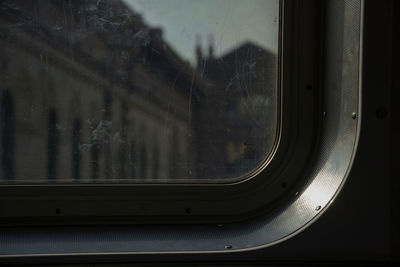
[88,91]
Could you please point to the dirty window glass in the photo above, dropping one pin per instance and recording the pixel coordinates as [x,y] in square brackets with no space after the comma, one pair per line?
[137,90]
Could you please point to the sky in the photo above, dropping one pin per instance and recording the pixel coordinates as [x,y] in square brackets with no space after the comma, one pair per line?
[229,22]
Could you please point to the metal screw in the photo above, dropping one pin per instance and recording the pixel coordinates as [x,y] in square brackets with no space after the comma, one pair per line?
[228,246]
[318,208]
[354,115]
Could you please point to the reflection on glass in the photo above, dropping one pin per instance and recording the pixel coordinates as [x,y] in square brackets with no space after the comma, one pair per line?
[136,90]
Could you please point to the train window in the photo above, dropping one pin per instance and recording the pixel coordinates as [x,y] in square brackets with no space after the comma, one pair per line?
[174,126]
[203,75]
[111,99]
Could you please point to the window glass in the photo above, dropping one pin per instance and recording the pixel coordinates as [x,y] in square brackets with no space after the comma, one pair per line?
[137,90]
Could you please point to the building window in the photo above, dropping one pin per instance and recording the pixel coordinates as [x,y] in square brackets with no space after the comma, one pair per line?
[122,158]
[122,143]
[143,161]
[156,161]
[175,149]
[76,149]
[7,122]
[95,156]
[52,144]
[132,160]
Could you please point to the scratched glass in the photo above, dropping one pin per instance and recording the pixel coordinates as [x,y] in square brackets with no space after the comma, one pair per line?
[137,91]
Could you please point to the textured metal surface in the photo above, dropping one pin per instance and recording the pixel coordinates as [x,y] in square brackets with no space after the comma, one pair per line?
[339,140]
